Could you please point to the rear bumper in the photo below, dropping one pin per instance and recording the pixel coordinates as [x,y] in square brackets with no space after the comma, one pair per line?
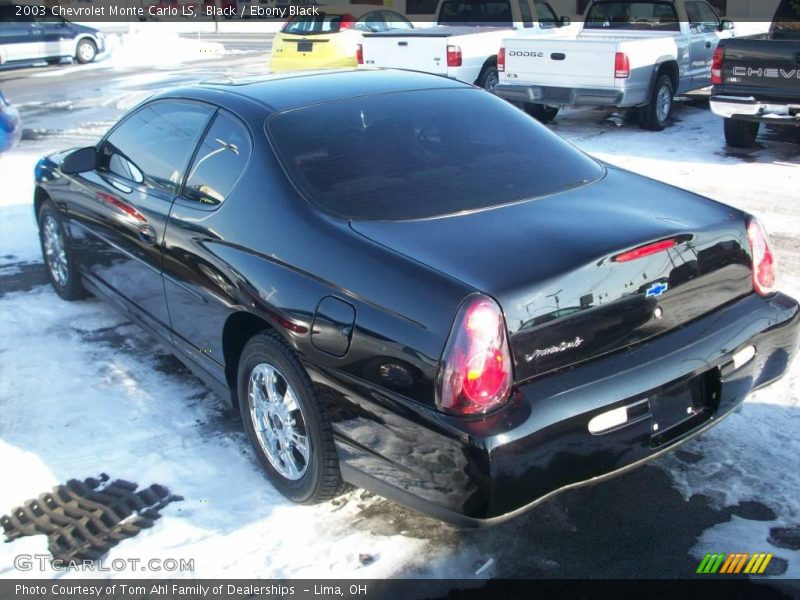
[280,65]
[559,96]
[475,473]
[750,109]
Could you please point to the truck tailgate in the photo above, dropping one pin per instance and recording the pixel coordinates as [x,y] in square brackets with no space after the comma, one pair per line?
[762,67]
[415,52]
[560,63]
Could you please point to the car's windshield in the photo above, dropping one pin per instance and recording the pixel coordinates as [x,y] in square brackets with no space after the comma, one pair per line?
[659,16]
[476,12]
[422,154]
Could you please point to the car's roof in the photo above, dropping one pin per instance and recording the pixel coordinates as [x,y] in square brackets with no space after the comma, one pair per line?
[283,91]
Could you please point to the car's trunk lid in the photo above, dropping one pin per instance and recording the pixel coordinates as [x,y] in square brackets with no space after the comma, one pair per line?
[550,262]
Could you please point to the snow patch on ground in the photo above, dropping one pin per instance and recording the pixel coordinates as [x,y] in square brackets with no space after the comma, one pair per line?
[154,48]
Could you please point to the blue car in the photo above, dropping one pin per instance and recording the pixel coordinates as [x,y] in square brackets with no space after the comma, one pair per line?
[10,125]
[39,35]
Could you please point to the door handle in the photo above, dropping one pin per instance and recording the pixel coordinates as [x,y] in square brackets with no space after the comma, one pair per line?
[708,44]
[148,235]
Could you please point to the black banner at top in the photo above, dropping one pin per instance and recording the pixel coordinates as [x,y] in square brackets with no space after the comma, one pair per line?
[258,11]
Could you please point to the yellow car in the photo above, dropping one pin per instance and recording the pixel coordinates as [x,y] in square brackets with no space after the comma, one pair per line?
[329,39]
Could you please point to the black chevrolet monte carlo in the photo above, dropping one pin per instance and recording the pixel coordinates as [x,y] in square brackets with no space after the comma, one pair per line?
[408,285]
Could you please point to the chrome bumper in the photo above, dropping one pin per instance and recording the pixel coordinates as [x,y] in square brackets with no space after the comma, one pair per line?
[733,106]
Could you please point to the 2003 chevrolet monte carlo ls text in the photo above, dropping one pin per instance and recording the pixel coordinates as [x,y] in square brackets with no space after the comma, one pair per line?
[407,284]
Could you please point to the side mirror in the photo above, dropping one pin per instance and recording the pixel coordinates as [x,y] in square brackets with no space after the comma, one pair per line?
[564,21]
[726,25]
[79,161]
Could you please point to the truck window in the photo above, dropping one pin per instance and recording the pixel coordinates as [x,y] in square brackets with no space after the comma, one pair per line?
[656,16]
[421,154]
[476,12]
[545,14]
[786,24]
[525,12]
[702,16]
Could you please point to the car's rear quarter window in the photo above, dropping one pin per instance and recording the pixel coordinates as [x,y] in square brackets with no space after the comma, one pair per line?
[422,154]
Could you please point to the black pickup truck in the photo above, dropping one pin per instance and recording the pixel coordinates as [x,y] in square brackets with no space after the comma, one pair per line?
[757,79]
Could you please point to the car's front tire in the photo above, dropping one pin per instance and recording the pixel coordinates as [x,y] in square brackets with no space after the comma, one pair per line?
[86,51]
[286,423]
[741,134]
[655,116]
[57,253]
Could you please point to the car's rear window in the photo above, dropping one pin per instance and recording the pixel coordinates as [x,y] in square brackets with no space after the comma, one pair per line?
[315,24]
[656,16]
[422,154]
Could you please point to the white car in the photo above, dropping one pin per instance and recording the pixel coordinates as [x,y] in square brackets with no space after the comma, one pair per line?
[627,54]
[29,33]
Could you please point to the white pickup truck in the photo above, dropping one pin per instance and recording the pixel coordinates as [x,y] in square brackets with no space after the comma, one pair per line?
[464,42]
[627,54]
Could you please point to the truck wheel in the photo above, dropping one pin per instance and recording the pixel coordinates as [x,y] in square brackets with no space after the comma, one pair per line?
[655,115]
[286,424]
[740,134]
[86,51]
[488,78]
[541,112]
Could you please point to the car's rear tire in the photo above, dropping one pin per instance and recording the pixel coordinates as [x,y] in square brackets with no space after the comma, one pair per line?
[741,134]
[86,51]
[540,112]
[58,256]
[655,116]
[286,423]
[489,77]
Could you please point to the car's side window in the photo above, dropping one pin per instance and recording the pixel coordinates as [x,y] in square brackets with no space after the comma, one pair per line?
[220,161]
[153,145]
[395,20]
[371,22]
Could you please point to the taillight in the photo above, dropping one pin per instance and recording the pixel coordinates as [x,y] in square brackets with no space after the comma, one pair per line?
[453,56]
[716,65]
[622,66]
[763,258]
[501,60]
[346,22]
[475,372]
[359,54]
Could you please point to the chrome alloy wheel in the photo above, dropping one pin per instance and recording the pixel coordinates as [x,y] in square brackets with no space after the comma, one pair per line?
[55,253]
[86,52]
[278,421]
[663,103]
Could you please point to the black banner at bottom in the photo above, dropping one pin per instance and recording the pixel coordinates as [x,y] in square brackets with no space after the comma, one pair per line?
[405,589]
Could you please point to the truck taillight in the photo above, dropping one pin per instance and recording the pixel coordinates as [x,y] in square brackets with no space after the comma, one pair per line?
[501,60]
[622,66]
[475,374]
[360,54]
[716,65]
[453,56]
[763,258]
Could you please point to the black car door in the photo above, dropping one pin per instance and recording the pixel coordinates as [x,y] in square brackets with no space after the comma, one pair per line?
[124,207]
[197,286]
